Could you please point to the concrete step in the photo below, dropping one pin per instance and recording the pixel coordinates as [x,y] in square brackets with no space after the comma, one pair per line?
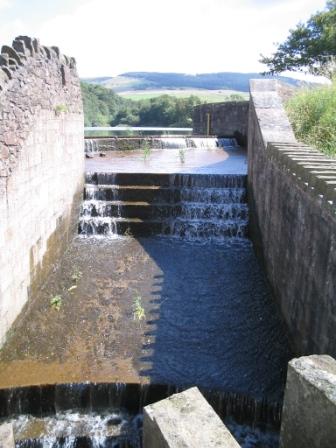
[168,180]
[176,227]
[158,195]
[145,210]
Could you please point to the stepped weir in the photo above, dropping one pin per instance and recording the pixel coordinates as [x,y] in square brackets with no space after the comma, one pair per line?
[167,237]
[199,205]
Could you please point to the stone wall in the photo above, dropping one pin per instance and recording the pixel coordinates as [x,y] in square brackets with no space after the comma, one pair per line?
[292,199]
[41,166]
[228,119]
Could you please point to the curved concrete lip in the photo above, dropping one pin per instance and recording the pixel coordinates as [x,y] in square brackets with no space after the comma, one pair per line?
[196,161]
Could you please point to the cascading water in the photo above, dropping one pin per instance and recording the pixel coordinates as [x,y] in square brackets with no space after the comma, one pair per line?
[186,205]
[91,146]
[203,143]
[195,143]
[107,426]
[74,429]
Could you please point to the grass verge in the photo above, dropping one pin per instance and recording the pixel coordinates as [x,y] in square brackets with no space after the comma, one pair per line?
[312,113]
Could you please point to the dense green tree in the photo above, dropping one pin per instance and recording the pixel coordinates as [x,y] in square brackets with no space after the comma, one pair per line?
[167,110]
[103,107]
[309,47]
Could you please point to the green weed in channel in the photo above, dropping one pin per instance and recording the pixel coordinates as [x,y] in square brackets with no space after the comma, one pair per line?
[138,309]
[56,302]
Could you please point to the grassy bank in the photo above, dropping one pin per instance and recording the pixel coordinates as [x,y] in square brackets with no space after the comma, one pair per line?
[312,113]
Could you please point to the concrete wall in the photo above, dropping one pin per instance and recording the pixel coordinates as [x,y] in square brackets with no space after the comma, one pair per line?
[228,119]
[185,420]
[292,199]
[41,167]
[309,412]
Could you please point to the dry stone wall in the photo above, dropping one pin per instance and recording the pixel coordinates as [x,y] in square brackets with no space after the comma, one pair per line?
[41,166]
[292,198]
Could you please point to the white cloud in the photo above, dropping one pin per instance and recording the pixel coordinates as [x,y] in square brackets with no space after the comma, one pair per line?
[12,29]
[112,36]
[4,4]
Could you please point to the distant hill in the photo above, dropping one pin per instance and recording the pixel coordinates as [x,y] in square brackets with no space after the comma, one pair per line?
[155,80]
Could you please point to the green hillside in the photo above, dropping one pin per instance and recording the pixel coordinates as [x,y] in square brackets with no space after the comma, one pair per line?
[172,81]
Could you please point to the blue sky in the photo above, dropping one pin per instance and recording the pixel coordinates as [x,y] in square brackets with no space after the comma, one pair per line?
[108,37]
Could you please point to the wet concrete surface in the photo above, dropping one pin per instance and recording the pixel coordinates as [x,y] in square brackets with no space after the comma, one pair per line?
[231,160]
[209,319]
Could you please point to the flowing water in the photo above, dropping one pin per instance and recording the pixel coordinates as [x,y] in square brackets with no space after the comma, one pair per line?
[207,323]
[208,315]
[188,206]
[92,145]
[77,430]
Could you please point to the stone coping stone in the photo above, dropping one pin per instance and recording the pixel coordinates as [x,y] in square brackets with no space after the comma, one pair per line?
[309,412]
[302,162]
[185,420]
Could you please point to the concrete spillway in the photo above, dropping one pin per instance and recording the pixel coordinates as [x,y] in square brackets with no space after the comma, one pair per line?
[207,316]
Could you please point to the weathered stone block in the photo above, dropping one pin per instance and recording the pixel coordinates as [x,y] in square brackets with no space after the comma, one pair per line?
[11,54]
[185,420]
[309,412]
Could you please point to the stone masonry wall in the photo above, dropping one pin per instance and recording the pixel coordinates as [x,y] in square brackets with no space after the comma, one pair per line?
[228,119]
[41,167]
[292,199]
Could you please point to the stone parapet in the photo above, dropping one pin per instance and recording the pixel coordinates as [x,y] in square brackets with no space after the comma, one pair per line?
[292,193]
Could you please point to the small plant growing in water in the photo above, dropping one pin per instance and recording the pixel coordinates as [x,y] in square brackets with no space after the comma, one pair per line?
[56,302]
[146,151]
[182,155]
[76,275]
[138,309]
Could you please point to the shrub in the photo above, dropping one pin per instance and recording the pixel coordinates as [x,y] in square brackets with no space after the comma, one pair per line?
[312,115]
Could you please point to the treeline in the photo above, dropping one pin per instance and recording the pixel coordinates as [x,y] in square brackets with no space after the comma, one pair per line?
[103,107]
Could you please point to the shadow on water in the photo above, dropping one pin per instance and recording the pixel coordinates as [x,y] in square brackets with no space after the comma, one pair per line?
[213,324]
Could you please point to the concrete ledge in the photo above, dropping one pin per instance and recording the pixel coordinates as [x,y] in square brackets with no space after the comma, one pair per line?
[185,420]
[309,412]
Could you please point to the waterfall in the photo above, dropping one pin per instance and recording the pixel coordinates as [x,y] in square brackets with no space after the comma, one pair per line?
[199,143]
[191,206]
[110,414]
[91,146]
